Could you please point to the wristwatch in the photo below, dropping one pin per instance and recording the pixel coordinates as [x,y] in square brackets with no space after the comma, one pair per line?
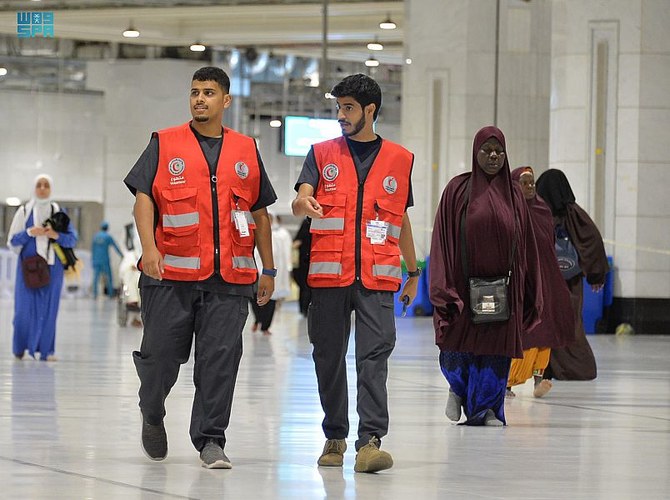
[270,272]
[414,274]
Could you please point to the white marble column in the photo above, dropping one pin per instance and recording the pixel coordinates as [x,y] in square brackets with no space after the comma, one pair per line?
[621,178]
[453,87]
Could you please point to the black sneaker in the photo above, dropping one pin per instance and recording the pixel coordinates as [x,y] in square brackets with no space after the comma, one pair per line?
[213,457]
[154,441]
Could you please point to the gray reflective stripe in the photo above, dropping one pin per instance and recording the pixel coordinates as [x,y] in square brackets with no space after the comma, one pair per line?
[244,263]
[182,262]
[181,220]
[328,224]
[325,267]
[247,215]
[393,231]
[391,271]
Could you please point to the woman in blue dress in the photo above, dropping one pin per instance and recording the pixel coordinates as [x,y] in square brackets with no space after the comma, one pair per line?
[36,309]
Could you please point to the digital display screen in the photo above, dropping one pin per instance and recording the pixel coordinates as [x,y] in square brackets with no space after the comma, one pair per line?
[300,132]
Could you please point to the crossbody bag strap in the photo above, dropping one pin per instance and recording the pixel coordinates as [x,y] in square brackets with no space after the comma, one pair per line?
[464,252]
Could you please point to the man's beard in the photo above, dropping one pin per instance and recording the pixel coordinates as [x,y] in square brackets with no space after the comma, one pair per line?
[200,118]
[357,127]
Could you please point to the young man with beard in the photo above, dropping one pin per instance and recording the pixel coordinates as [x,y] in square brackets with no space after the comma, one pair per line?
[201,196]
[356,189]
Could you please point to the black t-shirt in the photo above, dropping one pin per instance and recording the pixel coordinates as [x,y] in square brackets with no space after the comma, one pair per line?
[141,178]
[360,151]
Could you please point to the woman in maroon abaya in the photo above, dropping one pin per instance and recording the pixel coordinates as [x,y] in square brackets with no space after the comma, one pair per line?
[576,361]
[484,217]
[557,326]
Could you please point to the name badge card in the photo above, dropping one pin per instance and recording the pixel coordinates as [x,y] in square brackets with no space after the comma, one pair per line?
[241,222]
[376,231]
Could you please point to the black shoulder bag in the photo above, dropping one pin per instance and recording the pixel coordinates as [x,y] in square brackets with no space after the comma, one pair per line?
[489,296]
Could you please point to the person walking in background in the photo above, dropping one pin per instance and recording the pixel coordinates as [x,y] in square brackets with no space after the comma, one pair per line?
[281,252]
[557,325]
[201,196]
[302,242]
[576,234]
[482,230]
[356,189]
[36,309]
[102,240]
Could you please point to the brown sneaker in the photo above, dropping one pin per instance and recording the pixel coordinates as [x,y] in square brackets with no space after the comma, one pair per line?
[371,459]
[333,453]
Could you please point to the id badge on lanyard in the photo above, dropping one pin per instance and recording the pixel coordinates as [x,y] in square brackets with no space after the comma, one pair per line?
[376,231]
[241,223]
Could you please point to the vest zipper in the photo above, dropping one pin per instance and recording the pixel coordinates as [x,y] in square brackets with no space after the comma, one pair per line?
[359,217]
[215,223]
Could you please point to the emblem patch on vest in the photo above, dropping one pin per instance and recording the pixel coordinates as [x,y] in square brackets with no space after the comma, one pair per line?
[242,170]
[390,184]
[330,172]
[176,166]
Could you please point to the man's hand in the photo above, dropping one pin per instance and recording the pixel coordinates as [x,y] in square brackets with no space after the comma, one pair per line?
[409,290]
[307,205]
[152,263]
[266,286]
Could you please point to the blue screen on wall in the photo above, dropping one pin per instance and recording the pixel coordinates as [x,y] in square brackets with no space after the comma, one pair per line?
[300,132]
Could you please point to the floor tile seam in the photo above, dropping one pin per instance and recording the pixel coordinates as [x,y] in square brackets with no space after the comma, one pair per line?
[95,478]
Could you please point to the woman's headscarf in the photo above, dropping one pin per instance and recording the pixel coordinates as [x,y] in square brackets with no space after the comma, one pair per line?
[555,190]
[489,221]
[41,207]
[41,210]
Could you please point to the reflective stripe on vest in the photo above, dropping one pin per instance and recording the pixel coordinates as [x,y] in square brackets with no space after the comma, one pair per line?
[182,262]
[329,224]
[247,215]
[391,271]
[181,220]
[393,230]
[325,267]
[244,263]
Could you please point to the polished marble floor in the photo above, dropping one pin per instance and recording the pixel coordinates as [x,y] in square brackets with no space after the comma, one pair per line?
[70,429]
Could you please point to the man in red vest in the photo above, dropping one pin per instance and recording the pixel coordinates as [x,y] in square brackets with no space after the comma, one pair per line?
[356,189]
[201,196]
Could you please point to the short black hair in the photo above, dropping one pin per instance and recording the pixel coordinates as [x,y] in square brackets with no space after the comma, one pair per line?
[210,73]
[362,88]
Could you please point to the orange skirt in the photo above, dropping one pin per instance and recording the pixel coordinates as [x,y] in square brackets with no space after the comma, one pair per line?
[534,362]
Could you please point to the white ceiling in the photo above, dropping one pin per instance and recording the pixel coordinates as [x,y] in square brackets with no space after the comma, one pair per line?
[285,26]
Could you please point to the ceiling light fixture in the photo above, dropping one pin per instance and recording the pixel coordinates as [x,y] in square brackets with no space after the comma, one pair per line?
[387,24]
[371,62]
[131,32]
[375,45]
[13,201]
[3,71]
[275,123]
[198,47]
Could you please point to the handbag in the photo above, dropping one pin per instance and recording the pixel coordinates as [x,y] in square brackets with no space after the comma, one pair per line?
[489,296]
[566,253]
[35,271]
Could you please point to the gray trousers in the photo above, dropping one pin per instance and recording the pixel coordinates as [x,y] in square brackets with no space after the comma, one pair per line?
[329,324]
[171,316]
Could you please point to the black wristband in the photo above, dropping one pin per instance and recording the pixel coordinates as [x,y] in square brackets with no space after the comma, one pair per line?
[270,272]
[414,274]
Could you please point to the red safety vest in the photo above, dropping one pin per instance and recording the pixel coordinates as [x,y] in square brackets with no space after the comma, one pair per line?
[184,190]
[385,192]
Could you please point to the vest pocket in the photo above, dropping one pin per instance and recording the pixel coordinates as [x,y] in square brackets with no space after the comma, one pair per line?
[386,264]
[180,220]
[391,212]
[333,218]
[326,255]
